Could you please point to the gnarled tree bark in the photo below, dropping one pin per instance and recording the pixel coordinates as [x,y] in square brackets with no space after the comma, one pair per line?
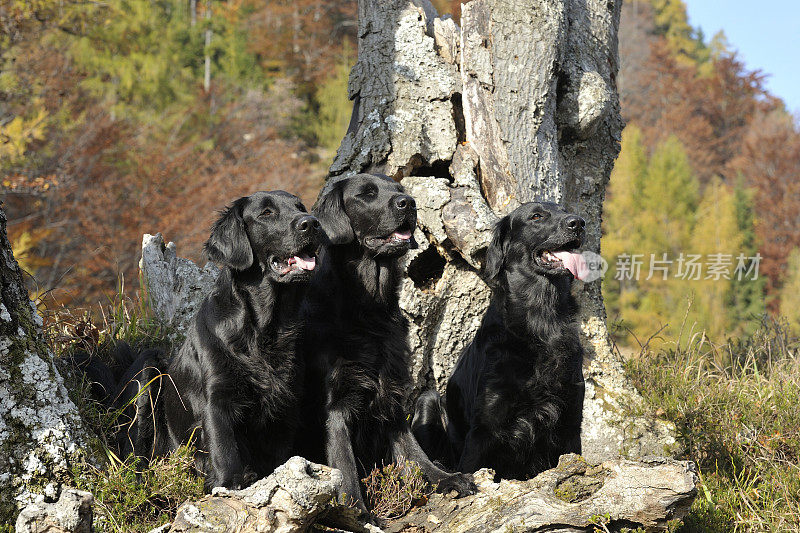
[40,428]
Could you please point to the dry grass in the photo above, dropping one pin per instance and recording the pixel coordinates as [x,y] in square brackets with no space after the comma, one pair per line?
[97,331]
[737,410]
[394,489]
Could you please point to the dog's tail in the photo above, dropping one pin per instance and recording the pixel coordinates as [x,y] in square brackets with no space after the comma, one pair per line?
[104,375]
[138,406]
[128,384]
[429,426]
[96,373]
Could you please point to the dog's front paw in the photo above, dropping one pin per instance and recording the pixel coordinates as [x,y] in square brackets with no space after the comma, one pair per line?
[229,482]
[461,484]
[249,477]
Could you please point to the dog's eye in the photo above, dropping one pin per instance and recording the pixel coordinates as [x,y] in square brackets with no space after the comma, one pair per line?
[368,193]
[265,213]
[536,216]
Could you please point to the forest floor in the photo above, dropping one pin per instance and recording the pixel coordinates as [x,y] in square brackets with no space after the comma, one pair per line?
[736,407]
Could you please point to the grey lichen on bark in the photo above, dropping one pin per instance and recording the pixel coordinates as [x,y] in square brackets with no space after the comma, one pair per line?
[511,53]
[41,433]
[403,90]
[518,104]
[175,286]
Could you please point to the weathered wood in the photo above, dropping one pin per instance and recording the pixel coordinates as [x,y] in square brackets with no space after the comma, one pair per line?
[175,286]
[511,54]
[573,497]
[291,499]
[40,429]
[403,89]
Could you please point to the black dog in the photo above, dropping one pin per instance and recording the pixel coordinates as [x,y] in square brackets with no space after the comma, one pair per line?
[515,399]
[355,340]
[235,385]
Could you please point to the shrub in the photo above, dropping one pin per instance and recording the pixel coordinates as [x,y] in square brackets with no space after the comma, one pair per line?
[129,495]
[394,489]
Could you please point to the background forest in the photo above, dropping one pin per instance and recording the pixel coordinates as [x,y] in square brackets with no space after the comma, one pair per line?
[123,117]
[116,116]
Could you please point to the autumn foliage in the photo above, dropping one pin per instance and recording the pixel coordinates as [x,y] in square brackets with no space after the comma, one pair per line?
[107,131]
[707,167]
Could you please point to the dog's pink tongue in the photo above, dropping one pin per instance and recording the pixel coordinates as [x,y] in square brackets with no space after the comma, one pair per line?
[306,262]
[402,235]
[575,263]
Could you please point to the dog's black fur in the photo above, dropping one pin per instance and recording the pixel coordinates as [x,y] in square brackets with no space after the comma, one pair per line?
[101,377]
[235,384]
[515,399]
[355,338]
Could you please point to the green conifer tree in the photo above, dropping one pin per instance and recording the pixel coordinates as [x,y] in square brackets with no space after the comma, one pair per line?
[146,58]
[686,43]
[620,219]
[668,206]
[747,303]
[790,292]
[718,239]
[335,107]
[649,217]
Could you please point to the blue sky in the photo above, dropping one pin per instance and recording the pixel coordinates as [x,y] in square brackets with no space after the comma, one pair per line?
[766,34]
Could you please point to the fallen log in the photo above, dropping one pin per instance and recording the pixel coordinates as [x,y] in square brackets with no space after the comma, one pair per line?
[576,496]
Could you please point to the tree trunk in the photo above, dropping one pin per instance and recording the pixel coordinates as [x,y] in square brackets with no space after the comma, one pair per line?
[517,105]
[40,429]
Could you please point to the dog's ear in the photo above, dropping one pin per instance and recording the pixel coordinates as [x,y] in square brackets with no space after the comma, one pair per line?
[228,244]
[496,253]
[332,216]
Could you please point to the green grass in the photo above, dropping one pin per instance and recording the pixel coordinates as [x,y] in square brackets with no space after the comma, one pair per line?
[129,496]
[737,411]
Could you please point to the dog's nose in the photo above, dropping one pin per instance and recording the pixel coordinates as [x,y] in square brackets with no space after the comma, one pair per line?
[403,202]
[307,223]
[574,222]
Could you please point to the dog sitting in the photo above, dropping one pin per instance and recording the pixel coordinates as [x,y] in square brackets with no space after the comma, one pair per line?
[515,399]
[236,383]
[355,338]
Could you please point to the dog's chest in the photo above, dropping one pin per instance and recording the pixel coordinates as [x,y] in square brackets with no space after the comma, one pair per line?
[368,369]
[263,377]
[522,394]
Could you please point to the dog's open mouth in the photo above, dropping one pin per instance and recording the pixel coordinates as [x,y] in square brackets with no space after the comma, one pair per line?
[304,261]
[400,236]
[565,259]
